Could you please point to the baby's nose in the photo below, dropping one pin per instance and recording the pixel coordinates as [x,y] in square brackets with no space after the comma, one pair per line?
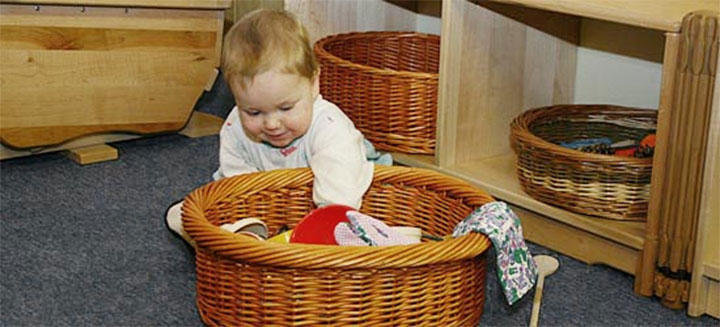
[272,122]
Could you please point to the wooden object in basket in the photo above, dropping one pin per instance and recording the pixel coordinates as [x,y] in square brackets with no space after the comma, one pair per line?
[387,83]
[74,69]
[685,109]
[243,281]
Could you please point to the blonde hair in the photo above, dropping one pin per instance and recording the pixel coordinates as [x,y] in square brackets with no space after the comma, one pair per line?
[267,39]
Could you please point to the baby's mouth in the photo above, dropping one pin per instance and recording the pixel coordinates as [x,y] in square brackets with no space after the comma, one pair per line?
[276,137]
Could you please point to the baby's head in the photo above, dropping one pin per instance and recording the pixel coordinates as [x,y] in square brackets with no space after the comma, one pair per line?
[270,67]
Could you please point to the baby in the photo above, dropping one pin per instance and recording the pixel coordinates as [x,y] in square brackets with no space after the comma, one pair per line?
[280,120]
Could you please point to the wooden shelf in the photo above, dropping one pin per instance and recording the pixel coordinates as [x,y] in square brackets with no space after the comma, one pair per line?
[195,4]
[665,15]
[496,175]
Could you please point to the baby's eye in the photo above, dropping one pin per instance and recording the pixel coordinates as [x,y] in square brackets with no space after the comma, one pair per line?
[252,112]
[285,108]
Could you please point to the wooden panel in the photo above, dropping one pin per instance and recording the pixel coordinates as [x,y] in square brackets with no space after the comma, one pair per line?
[425,7]
[100,39]
[575,242]
[451,47]
[242,7]
[495,68]
[681,150]
[111,17]
[646,269]
[327,17]
[705,287]
[710,207]
[622,39]
[200,124]
[313,15]
[55,134]
[137,76]
[665,15]
[221,4]
[561,26]
[713,301]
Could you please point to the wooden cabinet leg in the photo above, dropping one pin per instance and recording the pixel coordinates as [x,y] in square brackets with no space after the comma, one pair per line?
[202,124]
[92,154]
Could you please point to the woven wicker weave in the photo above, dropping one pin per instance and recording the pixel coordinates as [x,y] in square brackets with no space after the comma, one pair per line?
[243,281]
[387,83]
[594,184]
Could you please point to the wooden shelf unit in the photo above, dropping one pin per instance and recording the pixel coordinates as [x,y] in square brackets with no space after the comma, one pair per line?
[502,57]
[498,60]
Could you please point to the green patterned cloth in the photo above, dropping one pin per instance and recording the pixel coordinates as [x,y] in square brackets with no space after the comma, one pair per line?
[516,269]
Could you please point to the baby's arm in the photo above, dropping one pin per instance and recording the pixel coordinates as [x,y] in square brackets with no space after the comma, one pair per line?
[342,172]
[232,157]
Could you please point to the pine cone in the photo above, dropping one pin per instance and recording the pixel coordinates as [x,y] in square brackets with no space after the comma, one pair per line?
[644,151]
[598,148]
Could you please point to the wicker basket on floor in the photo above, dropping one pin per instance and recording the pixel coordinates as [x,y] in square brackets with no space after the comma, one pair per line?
[387,83]
[243,281]
[606,186]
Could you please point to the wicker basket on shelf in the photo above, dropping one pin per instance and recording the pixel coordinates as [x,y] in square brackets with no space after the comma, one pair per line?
[601,185]
[244,281]
[387,83]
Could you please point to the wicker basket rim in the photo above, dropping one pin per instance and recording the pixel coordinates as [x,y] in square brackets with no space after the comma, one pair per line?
[520,130]
[310,256]
[320,50]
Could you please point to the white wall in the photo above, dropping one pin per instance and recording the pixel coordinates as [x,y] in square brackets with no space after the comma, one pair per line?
[608,78]
[428,24]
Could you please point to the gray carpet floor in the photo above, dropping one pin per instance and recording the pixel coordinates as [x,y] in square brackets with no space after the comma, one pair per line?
[87,246]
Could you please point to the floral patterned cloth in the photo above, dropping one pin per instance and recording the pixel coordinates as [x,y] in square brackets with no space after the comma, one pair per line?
[516,269]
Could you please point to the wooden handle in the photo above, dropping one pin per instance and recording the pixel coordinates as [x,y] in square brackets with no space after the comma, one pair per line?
[536,301]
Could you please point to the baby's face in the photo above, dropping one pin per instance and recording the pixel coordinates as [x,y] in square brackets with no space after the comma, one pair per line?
[276,107]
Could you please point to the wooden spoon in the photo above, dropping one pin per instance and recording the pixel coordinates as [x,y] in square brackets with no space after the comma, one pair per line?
[546,266]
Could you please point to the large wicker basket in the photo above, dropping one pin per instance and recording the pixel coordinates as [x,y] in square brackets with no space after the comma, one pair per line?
[243,281]
[387,83]
[594,184]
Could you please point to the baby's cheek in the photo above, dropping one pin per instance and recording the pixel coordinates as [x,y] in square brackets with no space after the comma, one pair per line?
[251,130]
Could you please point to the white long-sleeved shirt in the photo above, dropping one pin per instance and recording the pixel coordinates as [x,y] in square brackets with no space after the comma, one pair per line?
[332,147]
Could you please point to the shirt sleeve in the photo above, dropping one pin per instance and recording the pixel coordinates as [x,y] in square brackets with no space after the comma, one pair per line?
[342,172]
[234,160]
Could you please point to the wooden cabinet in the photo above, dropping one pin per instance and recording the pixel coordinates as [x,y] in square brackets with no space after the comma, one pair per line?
[73,69]
[499,58]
